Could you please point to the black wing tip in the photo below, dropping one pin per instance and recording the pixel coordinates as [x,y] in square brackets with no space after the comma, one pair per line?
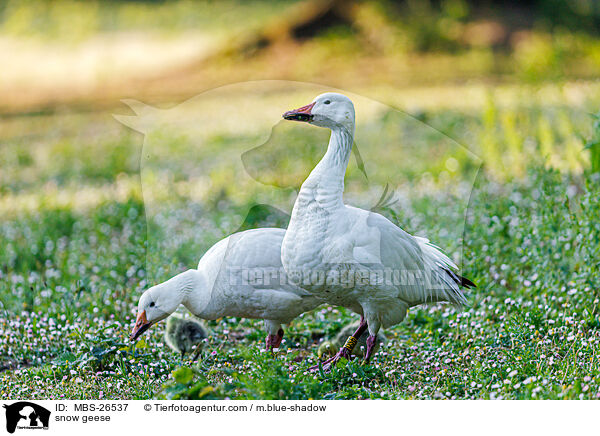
[466,282]
[460,280]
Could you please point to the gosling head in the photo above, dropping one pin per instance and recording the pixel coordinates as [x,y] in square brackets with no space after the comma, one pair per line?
[330,110]
[326,349]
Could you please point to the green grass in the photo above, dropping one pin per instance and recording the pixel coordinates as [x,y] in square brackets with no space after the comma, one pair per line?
[71,269]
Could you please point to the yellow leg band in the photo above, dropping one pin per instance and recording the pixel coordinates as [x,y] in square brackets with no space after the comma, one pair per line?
[350,343]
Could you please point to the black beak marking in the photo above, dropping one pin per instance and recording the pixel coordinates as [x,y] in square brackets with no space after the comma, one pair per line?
[139,332]
[297,117]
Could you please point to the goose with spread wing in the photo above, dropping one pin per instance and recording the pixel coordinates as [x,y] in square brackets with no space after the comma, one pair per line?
[353,257]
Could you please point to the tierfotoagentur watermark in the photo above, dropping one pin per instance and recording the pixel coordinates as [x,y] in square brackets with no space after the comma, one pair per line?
[338,275]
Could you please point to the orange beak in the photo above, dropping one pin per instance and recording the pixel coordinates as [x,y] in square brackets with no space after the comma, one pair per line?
[141,325]
[301,114]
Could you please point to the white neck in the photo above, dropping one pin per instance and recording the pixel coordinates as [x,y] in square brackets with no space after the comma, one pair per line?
[181,289]
[191,286]
[329,172]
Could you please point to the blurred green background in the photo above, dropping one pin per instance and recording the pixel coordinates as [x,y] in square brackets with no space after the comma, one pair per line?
[451,94]
[84,51]
[516,70]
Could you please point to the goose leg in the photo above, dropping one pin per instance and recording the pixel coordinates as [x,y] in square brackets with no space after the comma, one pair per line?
[274,341]
[270,342]
[278,338]
[274,337]
[371,342]
[346,351]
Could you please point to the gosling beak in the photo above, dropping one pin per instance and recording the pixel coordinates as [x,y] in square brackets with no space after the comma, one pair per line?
[301,114]
[141,325]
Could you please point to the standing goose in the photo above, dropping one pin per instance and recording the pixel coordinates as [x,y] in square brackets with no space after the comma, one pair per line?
[353,257]
[240,276]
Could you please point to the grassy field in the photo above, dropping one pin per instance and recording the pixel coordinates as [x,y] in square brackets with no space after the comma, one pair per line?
[78,233]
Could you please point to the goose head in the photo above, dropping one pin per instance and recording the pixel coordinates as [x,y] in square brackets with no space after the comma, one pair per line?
[156,304]
[330,110]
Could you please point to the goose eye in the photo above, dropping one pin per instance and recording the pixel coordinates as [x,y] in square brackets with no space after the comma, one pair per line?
[152,304]
[327,102]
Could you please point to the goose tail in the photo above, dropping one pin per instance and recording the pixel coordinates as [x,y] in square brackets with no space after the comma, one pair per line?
[444,275]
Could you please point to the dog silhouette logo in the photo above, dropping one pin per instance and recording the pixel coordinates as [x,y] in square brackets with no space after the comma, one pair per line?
[26,415]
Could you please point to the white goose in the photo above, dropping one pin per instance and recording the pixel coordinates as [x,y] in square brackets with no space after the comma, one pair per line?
[240,276]
[353,257]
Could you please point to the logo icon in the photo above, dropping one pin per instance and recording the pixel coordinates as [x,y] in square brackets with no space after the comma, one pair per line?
[26,415]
